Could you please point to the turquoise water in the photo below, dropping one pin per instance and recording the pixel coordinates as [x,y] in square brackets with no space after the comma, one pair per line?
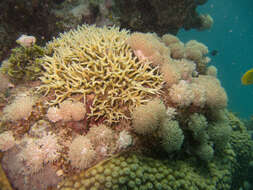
[232,36]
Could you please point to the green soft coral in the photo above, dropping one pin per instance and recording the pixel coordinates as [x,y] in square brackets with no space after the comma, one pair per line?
[24,63]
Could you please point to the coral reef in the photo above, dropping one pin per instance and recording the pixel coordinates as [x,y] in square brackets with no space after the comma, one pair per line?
[7,140]
[97,61]
[242,144]
[23,17]
[108,112]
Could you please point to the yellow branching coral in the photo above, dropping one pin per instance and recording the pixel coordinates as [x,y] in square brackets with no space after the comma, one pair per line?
[98,61]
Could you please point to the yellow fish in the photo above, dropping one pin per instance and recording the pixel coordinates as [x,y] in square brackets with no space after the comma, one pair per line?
[247,78]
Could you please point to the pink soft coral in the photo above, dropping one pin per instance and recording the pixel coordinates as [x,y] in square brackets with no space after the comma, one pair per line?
[38,152]
[81,152]
[20,108]
[67,111]
[33,157]
[100,135]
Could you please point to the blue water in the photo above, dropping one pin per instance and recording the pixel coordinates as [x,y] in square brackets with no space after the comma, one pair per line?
[232,36]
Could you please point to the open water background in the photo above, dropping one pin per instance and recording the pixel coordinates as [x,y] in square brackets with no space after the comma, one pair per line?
[232,36]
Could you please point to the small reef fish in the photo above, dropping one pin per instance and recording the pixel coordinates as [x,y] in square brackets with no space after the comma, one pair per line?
[214,52]
[247,78]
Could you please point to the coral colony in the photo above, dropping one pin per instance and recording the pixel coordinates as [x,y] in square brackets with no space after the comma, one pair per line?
[104,103]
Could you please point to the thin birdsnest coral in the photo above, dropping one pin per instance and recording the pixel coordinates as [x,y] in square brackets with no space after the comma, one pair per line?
[97,61]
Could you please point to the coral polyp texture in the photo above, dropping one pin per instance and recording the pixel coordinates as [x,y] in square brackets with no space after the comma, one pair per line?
[115,110]
[140,172]
[97,61]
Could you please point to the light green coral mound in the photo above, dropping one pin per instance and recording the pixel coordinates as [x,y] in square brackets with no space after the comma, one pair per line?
[24,63]
[132,171]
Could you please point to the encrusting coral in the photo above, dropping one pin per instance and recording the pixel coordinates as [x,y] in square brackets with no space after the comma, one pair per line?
[135,171]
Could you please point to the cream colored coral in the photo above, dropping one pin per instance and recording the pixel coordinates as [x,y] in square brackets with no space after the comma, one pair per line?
[186,68]
[20,108]
[148,46]
[171,73]
[175,45]
[98,61]
[81,152]
[212,71]
[100,135]
[72,110]
[169,39]
[67,111]
[195,50]
[146,118]
[54,114]
[177,50]
[5,83]
[199,92]
[125,139]
[181,94]
[216,96]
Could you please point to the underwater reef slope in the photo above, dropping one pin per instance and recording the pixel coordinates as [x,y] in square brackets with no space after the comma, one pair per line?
[48,17]
[110,109]
[167,16]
